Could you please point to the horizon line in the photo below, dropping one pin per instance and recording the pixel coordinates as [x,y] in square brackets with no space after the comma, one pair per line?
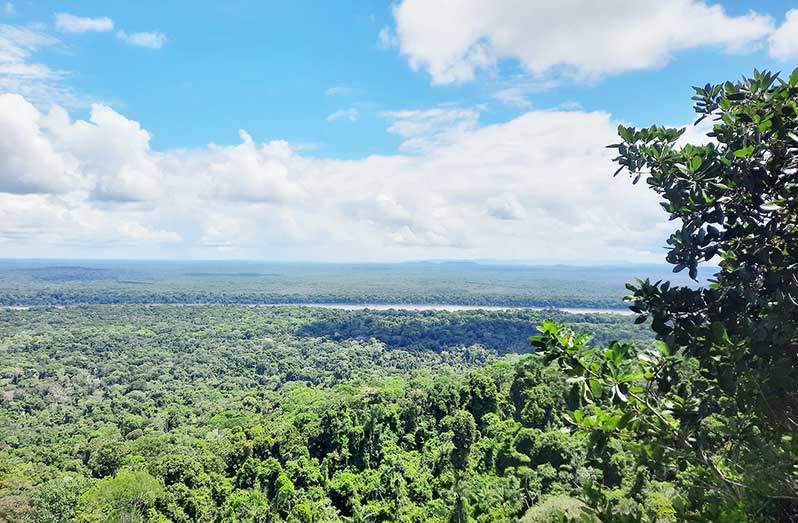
[431,261]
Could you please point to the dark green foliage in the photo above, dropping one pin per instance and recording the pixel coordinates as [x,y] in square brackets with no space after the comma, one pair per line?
[464,434]
[714,404]
[500,331]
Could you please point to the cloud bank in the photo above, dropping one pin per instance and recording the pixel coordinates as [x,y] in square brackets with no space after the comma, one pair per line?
[537,187]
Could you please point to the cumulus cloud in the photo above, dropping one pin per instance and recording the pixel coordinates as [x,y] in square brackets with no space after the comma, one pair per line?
[30,163]
[67,23]
[537,187]
[350,114]
[109,155]
[454,40]
[544,177]
[784,41]
[111,151]
[150,40]
[248,173]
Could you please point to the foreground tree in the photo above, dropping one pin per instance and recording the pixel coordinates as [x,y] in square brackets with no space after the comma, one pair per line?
[715,404]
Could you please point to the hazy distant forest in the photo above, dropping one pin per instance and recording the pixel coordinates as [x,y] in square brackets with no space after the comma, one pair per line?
[47,282]
[130,406]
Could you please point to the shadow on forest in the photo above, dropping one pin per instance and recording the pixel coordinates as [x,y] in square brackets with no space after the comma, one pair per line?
[503,335]
[500,331]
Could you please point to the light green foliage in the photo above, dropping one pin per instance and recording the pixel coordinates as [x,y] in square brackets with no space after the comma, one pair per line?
[127,497]
[559,509]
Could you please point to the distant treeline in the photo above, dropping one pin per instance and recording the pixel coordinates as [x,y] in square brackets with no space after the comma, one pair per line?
[43,283]
[181,298]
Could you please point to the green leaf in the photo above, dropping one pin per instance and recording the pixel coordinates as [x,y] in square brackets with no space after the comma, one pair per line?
[625,133]
[596,388]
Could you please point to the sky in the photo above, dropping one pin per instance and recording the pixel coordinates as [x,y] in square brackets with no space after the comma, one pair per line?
[355,130]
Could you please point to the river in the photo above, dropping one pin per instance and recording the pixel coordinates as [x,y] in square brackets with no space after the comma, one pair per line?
[447,307]
[370,306]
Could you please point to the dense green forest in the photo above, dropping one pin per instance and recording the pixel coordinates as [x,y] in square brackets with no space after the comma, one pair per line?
[686,411]
[48,282]
[235,414]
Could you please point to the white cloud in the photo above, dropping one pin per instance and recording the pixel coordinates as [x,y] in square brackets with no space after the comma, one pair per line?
[112,152]
[350,114]
[697,134]
[136,232]
[505,207]
[425,128]
[67,23]
[39,224]
[19,73]
[108,155]
[537,187]
[248,173]
[784,41]
[16,46]
[380,209]
[434,204]
[150,40]
[453,40]
[339,90]
[516,90]
[30,163]
[17,43]
[221,230]
[387,38]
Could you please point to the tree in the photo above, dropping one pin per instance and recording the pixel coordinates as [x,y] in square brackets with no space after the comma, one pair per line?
[717,400]
[464,430]
[124,498]
[244,506]
[56,500]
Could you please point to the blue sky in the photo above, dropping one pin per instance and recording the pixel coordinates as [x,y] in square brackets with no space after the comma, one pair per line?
[329,92]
